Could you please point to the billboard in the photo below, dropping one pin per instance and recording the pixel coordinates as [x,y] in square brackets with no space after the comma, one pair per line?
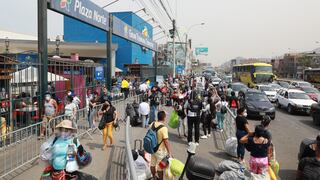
[180,52]
[201,51]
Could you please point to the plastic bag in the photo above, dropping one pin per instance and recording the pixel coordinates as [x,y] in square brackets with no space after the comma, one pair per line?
[45,150]
[174,120]
[176,167]
[231,146]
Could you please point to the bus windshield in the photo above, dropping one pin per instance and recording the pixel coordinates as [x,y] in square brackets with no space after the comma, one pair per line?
[261,78]
[263,68]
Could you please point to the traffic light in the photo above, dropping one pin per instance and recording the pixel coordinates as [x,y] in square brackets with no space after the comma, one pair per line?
[171,31]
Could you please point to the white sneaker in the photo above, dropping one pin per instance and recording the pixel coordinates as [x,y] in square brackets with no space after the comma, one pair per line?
[209,135]
[189,143]
[203,137]
[197,144]
[221,130]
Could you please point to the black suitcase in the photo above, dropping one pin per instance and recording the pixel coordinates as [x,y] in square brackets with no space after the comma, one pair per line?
[303,145]
[200,169]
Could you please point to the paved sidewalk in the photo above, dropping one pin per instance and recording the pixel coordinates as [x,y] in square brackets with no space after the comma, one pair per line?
[211,148]
[108,164]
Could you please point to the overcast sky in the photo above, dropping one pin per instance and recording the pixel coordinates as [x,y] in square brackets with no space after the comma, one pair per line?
[247,28]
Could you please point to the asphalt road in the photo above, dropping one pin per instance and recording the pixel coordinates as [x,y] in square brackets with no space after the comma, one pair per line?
[288,131]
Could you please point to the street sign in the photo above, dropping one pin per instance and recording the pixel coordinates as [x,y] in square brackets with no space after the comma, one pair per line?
[99,73]
[83,10]
[179,69]
[202,51]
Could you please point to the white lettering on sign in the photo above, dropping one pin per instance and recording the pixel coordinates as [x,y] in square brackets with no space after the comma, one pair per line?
[82,10]
[88,13]
[99,18]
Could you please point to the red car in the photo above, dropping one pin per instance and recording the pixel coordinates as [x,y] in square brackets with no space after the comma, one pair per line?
[313,93]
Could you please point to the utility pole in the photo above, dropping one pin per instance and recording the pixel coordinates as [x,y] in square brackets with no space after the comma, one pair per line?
[186,53]
[174,48]
[107,67]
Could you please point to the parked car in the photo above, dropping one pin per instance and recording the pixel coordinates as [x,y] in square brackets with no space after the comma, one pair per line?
[236,87]
[299,84]
[294,100]
[284,84]
[315,113]
[275,86]
[258,105]
[269,91]
[313,93]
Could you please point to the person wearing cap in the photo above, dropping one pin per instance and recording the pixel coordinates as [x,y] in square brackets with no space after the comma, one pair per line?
[109,115]
[67,154]
[50,111]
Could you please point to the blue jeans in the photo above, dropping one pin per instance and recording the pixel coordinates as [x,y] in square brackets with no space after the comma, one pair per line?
[241,148]
[153,114]
[92,113]
[145,120]
[220,119]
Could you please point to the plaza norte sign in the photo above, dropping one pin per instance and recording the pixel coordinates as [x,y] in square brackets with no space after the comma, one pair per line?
[83,10]
[90,13]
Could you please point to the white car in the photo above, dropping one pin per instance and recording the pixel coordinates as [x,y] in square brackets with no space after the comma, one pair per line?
[216,81]
[299,84]
[269,91]
[294,100]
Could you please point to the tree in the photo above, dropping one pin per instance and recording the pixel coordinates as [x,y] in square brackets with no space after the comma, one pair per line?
[305,61]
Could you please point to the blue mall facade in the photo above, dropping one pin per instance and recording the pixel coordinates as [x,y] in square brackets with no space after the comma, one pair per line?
[127,52]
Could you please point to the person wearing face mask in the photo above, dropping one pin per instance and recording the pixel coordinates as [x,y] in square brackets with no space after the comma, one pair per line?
[67,154]
[109,116]
[242,130]
[50,111]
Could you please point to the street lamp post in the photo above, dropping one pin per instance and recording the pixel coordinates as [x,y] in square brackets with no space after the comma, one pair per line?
[186,52]
[7,43]
[58,41]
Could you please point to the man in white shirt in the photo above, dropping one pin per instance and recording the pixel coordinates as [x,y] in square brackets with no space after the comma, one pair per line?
[143,87]
[144,110]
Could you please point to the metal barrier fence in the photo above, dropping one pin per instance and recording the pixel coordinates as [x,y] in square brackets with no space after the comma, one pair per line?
[20,147]
[131,170]
[229,125]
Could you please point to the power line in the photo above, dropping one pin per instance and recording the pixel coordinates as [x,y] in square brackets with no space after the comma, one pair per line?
[165,9]
[170,7]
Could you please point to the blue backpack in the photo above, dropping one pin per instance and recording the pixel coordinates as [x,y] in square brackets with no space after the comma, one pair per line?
[150,141]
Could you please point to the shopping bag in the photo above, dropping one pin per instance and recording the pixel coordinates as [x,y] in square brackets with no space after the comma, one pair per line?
[174,120]
[271,174]
[176,167]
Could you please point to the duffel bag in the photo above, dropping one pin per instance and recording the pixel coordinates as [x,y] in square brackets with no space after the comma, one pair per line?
[200,169]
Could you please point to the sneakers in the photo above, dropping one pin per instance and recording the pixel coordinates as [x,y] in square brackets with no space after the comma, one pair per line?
[209,135]
[189,143]
[203,137]
[197,144]
[221,130]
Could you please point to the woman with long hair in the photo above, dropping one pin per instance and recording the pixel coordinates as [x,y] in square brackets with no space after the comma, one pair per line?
[109,115]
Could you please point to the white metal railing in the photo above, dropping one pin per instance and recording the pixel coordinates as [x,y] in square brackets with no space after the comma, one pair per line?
[22,146]
[229,129]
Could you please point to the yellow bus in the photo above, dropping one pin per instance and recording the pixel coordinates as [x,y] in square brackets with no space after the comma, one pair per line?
[253,74]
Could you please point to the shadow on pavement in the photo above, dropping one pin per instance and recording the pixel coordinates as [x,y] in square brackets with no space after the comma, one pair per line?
[287,174]
[175,138]
[116,166]
[221,155]
[93,146]
[310,123]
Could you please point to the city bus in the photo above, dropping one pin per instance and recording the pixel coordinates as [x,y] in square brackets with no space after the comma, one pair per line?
[253,74]
[312,76]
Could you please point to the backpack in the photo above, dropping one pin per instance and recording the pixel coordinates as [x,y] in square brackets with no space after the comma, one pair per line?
[311,169]
[194,106]
[234,103]
[150,141]
[223,109]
